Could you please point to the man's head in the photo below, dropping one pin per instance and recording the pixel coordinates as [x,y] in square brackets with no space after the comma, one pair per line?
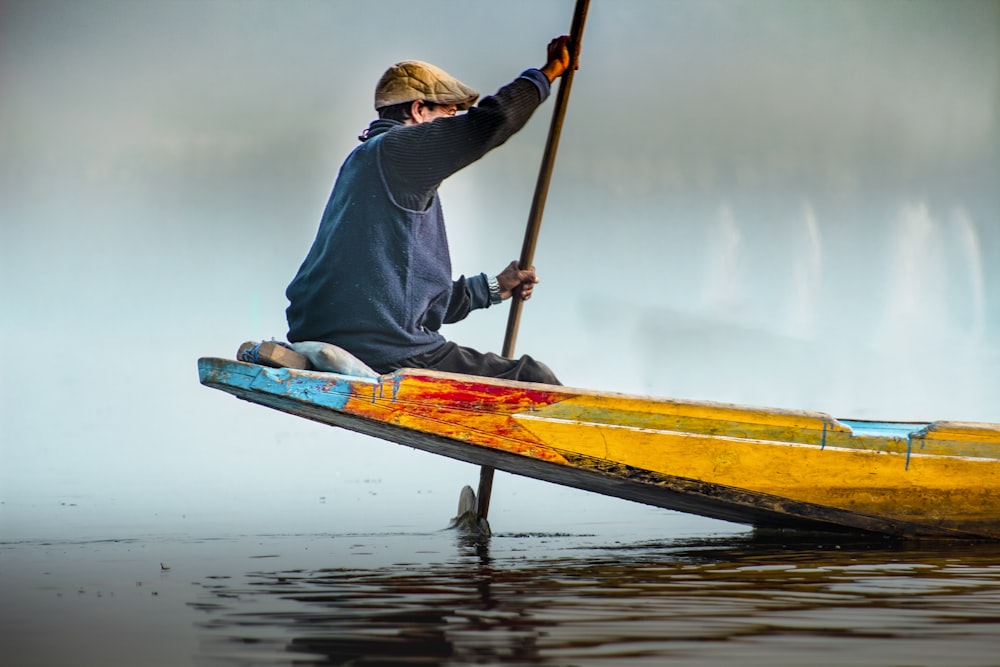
[415,92]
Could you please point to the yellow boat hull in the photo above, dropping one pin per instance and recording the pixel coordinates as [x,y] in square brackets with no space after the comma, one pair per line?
[765,467]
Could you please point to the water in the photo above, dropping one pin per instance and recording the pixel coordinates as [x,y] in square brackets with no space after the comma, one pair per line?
[436,598]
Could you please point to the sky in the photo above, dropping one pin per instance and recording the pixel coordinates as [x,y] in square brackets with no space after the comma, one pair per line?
[780,203]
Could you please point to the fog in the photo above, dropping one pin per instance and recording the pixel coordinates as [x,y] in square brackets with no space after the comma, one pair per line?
[790,204]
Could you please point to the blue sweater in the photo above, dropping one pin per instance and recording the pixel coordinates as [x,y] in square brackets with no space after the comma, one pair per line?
[377,280]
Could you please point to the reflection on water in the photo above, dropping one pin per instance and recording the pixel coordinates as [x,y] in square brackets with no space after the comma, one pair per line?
[522,599]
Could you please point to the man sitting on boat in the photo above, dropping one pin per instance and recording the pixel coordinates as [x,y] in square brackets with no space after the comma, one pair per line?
[377,280]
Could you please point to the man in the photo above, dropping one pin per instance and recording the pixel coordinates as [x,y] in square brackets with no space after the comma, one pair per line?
[377,280]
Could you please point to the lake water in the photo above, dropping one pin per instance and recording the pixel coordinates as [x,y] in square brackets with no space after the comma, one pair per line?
[608,597]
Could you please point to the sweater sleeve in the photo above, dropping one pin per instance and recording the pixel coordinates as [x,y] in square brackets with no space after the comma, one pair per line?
[467,294]
[416,158]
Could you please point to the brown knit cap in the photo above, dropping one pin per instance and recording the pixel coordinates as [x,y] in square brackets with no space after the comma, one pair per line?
[415,80]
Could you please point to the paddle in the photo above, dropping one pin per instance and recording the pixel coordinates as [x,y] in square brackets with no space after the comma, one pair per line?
[535,217]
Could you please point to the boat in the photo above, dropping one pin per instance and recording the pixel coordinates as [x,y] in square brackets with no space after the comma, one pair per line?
[768,468]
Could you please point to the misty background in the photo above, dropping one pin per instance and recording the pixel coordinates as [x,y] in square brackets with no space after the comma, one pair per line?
[780,203]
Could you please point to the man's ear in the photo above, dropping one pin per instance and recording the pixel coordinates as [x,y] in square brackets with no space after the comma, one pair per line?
[416,107]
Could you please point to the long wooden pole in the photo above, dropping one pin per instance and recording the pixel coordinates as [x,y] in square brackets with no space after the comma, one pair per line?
[535,217]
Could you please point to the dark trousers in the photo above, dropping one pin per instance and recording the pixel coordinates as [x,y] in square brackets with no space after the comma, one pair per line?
[454,358]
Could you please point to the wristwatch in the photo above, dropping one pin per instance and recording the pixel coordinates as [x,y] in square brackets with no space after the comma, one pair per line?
[494,286]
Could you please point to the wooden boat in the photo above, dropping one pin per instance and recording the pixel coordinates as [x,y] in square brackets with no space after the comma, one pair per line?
[764,467]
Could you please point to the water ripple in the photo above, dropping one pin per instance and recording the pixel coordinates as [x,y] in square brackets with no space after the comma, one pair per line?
[751,601]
